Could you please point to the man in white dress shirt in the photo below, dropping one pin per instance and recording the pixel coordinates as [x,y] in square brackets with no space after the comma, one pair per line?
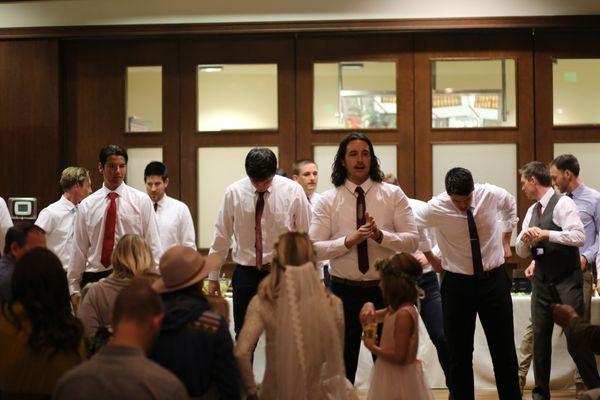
[105,216]
[256,210]
[5,222]
[359,221]
[58,219]
[175,222]
[474,246]
[552,233]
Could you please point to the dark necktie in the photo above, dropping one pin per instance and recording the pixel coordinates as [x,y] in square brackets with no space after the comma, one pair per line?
[363,253]
[475,245]
[570,194]
[155,207]
[538,210]
[110,221]
[260,206]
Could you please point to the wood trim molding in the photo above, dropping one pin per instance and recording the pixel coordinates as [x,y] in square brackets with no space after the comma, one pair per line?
[578,22]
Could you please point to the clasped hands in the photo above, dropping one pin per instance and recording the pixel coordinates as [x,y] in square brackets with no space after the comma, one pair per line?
[367,231]
[534,235]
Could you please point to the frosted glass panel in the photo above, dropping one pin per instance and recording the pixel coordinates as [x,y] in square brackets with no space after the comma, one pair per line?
[587,155]
[489,163]
[576,87]
[354,95]
[138,159]
[324,156]
[218,167]
[144,99]
[473,93]
[237,96]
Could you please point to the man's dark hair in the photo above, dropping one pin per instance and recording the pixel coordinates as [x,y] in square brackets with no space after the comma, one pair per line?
[566,162]
[299,164]
[137,302]
[261,164]
[112,150]
[156,168]
[18,234]
[39,285]
[459,181]
[537,170]
[339,173]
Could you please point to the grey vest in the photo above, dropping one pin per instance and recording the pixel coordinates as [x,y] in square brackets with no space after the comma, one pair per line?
[553,261]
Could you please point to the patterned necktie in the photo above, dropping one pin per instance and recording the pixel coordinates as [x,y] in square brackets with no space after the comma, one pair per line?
[361,248]
[538,210]
[475,246]
[110,221]
[260,206]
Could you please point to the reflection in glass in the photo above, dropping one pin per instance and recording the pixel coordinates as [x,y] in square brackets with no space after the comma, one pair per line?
[473,93]
[353,95]
[237,96]
[144,99]
[576,91]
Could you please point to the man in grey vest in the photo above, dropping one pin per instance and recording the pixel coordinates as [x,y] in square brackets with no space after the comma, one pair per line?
[552,233]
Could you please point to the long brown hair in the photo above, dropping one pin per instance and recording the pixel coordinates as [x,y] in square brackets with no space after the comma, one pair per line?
[292,249]
[399,274]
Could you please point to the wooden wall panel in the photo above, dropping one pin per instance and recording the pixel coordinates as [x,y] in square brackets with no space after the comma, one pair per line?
[30,142]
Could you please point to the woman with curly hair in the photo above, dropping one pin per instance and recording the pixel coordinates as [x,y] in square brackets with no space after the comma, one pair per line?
[40,339]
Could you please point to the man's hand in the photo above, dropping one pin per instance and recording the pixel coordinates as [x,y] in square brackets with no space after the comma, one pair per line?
[376,233]
[507,251]
[359,236]
[534,235]
[367,313]
[563,314]
[214,288]
[75,302]
[421,259]
[435,261]
[530,271]
[583,263]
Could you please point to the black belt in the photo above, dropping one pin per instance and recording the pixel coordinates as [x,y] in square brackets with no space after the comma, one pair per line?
[264,268]
[348,282]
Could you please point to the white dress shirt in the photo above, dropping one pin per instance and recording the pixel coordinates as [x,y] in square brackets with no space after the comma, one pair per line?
[175,223]
[334,218]
[135,215]
[565,215]
[314,199]
[426,235]
[286,209]
[452,231]
[5,223]
[58,220]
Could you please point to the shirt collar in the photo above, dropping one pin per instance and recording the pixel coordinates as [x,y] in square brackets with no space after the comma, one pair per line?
[580,188]
[66,203]
[162,201]
[366,185]
[119,190]
[546,197]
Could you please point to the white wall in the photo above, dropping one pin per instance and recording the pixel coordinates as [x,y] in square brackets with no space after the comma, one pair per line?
[124,12]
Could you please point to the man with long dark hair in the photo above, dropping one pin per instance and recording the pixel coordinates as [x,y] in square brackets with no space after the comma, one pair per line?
[359,221]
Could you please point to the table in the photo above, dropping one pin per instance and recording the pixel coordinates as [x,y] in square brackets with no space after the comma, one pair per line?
[563,369]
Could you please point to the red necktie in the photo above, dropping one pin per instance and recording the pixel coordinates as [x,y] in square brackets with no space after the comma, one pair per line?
[361,248]
[110,221]
[260,206]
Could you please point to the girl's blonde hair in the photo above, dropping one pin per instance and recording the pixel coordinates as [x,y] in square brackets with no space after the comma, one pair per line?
[399,275]
[292,249]
[132,257]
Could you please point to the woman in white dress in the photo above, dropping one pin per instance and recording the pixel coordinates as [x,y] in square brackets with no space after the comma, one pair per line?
[304,326]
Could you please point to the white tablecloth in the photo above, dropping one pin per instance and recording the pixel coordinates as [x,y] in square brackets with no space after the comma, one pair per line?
[563,368]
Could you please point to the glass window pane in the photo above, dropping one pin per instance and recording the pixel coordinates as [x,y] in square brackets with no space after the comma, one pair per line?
[473,93]
[324,156]
[237,96]
[587,155]
[576,91]
[139,157]
[218,167]
[489,163]
[144,99]
[353,95]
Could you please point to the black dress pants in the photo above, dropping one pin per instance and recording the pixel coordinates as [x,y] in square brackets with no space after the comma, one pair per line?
[463,298]
[244,283]
[353,298]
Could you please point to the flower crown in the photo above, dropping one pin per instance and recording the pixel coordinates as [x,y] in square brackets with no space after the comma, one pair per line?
[387,268]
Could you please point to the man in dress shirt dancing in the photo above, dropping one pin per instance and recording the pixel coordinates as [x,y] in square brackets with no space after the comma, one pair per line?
[474,246]
[552,233]
[359,221]
[175,222]
[105,216]
[256,210]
